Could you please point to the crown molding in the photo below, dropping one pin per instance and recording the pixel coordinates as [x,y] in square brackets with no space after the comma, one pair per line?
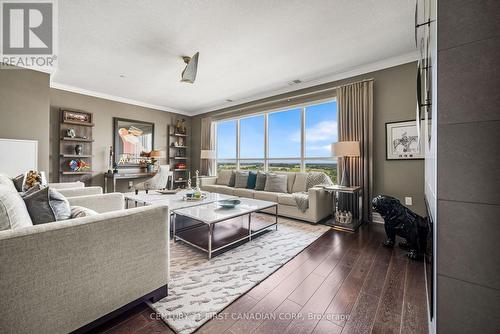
[115,98]
[355,71]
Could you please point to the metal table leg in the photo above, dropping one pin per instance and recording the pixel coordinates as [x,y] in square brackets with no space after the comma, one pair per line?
[249,227]
[210,235]
[276,216]
[174,216]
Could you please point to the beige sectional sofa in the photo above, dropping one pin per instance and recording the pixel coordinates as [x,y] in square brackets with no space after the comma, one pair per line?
[320,201]
[59,277]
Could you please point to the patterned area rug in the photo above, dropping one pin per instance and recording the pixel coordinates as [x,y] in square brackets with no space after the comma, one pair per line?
[200,288]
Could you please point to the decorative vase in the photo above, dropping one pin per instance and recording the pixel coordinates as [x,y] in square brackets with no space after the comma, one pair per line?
[78,149]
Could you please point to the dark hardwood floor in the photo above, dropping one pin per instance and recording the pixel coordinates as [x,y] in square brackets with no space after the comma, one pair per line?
[342,283]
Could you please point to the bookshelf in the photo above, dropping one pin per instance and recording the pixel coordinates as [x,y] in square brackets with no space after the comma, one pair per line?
[177,155]
[75,144]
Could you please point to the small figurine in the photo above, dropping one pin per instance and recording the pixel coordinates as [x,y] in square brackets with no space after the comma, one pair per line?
[78,149]
[110,161]
[183,126]
[178,127]
[70,133]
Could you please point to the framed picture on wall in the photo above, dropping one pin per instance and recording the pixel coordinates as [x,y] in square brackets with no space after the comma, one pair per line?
[132,139]
[402,141]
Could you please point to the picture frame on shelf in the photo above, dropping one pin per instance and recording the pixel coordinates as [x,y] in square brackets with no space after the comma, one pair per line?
[77,117]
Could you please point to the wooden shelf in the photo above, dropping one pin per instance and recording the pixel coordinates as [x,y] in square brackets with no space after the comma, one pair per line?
[179,158]
[83,138]
[77,139]
[77,123]
[178,146]
[180,181]
[178,135]
[76,156]
[180,170]
[75,173]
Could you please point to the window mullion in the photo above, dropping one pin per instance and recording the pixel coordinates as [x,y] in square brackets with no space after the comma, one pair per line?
[266,142]
[238,144]
[302,138]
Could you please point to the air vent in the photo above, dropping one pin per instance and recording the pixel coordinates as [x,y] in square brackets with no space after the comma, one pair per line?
[294,82]
[229,100]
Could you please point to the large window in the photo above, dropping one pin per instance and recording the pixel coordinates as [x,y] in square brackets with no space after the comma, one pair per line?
[284,134]
[226,145]
[297,139]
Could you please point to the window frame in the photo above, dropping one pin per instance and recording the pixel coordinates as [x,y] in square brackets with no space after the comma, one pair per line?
[266,159]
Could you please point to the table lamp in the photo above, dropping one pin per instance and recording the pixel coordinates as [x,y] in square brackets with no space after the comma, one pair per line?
[155,155]
[208,155]
[344,149]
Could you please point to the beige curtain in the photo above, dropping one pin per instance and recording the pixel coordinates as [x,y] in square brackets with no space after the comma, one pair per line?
[207,143]
[355,109]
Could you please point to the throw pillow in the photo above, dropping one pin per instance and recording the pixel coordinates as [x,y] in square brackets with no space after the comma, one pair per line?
[252,179]
[276,183]
[260,182]
[18,182]
[223,177]
[240,179]
[32,178]
[232,180]
[300,183]
[80,211]
[46,205]
[316,179]
[13,213]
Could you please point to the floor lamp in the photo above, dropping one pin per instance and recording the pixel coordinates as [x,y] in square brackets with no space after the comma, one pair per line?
[343,149]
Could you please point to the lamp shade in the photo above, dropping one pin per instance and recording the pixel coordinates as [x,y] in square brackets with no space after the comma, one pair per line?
[345,149]
[155,154]
[207,154]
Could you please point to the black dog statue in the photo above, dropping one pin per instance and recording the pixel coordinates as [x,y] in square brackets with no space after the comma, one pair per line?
[399,220]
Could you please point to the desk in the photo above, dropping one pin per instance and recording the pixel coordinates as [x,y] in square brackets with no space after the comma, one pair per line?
[356,209]
[123,176]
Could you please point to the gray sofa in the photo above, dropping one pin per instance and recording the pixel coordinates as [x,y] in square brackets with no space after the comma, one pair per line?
[61,276]
[320,201]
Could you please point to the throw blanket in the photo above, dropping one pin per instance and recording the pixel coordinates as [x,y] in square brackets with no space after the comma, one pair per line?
[313,179]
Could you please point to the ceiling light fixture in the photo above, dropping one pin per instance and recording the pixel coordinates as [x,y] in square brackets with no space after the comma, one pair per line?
[294,82]
[189,73]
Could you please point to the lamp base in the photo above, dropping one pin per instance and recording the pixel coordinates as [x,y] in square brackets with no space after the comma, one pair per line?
[344,181]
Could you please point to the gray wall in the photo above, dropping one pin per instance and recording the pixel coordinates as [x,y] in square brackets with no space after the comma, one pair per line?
[104,111]
[394,100]
[24,109]
[468,192]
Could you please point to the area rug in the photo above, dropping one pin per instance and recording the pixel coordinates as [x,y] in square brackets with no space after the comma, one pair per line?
[200,288]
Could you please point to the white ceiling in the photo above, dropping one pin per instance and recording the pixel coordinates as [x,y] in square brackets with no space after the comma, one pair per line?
[248,48]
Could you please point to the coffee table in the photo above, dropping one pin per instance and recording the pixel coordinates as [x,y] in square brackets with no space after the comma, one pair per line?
[211,216]
[173,201]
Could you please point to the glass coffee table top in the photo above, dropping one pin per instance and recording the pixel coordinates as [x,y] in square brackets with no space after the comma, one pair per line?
[213,212]
[173,201]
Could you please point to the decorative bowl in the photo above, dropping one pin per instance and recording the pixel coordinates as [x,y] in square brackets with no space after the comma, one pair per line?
[228,203]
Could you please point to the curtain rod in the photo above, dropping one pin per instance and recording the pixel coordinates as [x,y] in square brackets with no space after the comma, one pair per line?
[288,98]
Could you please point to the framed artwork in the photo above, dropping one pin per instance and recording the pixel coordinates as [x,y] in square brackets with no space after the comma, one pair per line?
[77,117]
[131,140]
[402,141]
